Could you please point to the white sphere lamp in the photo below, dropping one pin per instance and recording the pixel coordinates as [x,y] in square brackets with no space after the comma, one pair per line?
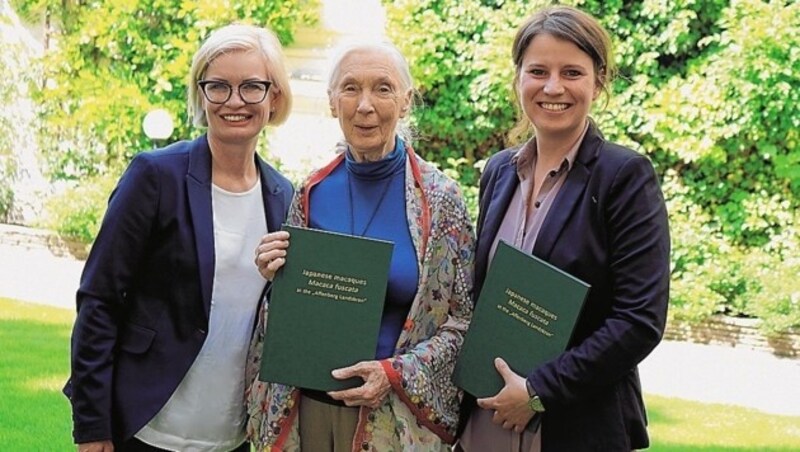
[158,125]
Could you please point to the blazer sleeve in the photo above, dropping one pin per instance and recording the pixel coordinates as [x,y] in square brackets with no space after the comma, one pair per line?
[106,279]
[636,238]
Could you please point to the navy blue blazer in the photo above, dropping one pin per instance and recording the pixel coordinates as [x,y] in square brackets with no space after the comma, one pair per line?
[145,292]
[608,227]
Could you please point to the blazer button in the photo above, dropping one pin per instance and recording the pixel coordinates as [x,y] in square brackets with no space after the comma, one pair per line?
[201,331]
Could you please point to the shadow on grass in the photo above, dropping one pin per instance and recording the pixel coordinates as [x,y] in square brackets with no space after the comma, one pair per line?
[35,364]
[657,416]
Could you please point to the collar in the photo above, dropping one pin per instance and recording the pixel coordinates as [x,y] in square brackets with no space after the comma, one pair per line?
[525,158]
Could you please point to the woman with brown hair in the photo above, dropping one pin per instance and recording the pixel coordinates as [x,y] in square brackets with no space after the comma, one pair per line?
[594,209]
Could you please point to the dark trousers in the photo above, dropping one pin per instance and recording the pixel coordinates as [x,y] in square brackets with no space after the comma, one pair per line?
[134,445]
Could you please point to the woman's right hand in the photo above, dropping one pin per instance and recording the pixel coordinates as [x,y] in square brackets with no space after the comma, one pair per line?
[271,253]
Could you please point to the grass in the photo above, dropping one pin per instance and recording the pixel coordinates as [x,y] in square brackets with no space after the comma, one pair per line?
[34,342]
[35,416]
[681,425]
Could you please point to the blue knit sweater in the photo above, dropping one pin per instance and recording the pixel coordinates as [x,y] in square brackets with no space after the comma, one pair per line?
[368,199]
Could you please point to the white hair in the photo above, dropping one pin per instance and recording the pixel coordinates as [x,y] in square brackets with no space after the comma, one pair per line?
[403,127]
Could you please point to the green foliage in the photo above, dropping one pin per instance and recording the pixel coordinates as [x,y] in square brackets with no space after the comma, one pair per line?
[108,63]
[114,60]
[698,260]
[16,71]
[451,46]
[709,89]
[745,98]
[776,300]
[77,213]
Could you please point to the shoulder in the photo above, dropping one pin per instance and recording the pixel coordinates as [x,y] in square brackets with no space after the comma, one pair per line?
[175,155]
[443,193]
[175,150]
[500,159]
[624,163]
[597,151]
[319,173]
[609,162]
[615,154]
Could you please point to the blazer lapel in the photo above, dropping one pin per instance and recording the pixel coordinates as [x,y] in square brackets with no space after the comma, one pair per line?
[198,187]
[274,198]
[507,182]
[570,193]
[500,197]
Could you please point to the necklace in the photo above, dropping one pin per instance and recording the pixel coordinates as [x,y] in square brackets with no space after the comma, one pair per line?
[374,211]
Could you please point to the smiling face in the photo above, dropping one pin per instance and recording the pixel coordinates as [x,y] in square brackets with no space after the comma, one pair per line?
[369,99]
[236,122]
[556,86]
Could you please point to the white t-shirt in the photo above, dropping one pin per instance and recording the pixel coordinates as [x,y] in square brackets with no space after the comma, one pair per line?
[206,412]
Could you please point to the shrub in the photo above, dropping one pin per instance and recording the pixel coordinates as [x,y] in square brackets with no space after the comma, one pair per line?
[115,60]
[78,211]
[16,71]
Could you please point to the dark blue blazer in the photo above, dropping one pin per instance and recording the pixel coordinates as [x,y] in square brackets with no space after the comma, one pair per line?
[145,293]
[608,227]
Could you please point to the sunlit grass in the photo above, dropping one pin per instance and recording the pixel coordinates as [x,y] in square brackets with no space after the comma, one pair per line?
[682,425]
[34,342]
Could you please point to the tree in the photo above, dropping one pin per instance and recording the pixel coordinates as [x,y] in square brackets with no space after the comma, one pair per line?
[111,61]
[17,70]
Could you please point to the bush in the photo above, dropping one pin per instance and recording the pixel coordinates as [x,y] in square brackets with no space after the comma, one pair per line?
[78,212]
[16,71]
[109,64]
[116,60]
[776,297]
[745,98]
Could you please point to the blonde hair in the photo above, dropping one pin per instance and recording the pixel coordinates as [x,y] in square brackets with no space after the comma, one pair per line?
[233,38]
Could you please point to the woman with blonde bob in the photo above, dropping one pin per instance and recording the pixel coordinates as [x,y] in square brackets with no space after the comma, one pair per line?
[594,209]
[380,188]
[168,298]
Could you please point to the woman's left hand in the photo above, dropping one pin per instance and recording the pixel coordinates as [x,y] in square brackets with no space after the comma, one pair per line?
[510,405]
[374,390]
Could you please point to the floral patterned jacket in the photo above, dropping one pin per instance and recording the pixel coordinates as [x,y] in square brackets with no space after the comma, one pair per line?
[421,411]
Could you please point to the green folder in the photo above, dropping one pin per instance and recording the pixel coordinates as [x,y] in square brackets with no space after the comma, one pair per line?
[325,308]
[525,314]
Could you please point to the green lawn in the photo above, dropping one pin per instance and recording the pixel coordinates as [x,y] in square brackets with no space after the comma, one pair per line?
[35,416]
[34,345]
[680,425]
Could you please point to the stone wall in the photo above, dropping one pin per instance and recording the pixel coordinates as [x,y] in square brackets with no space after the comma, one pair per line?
[20,236]
[735,332]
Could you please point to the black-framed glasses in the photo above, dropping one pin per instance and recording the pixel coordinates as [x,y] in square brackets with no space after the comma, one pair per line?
[252,92]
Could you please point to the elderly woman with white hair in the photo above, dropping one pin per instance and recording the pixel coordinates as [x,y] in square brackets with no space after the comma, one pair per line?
[168,298]
[380,188]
